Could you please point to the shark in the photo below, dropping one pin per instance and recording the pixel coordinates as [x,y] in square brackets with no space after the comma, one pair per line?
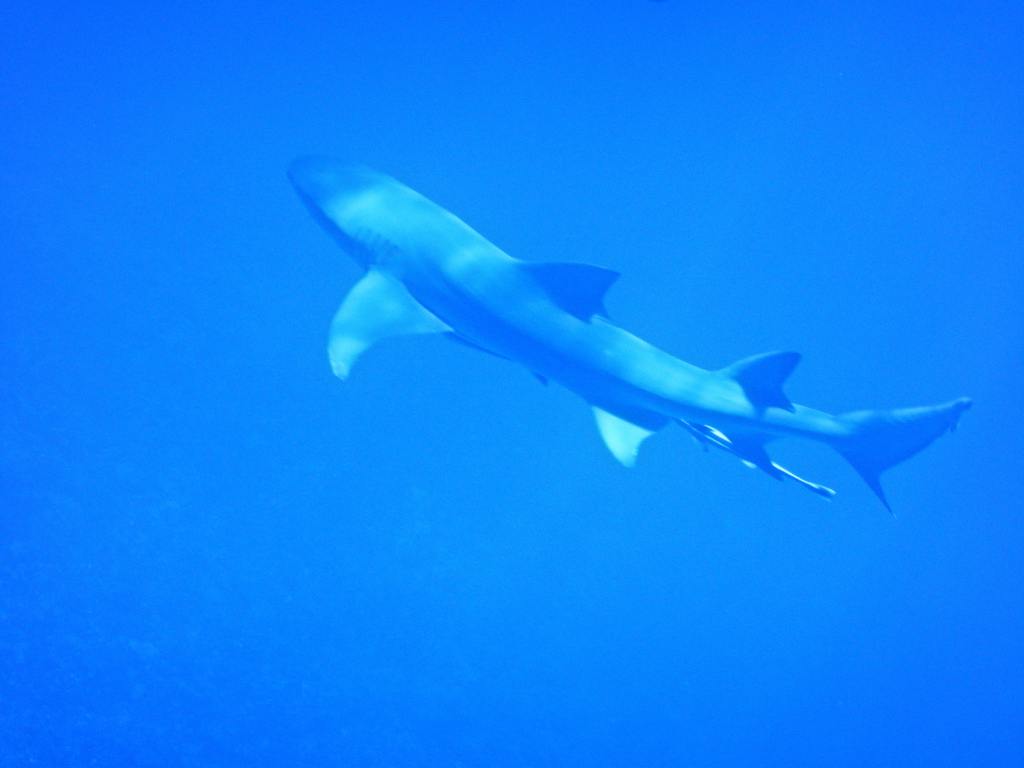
[428,272]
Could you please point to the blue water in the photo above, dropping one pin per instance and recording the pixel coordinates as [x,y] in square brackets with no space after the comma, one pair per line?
[212,553]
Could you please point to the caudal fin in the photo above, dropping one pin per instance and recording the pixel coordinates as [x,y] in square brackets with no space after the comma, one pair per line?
[881,439]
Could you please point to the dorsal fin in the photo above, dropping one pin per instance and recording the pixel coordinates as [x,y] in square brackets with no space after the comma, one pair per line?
[762,376]
[579,289]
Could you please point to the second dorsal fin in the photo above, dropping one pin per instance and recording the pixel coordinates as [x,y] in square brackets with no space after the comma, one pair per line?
[762,376]
[579,289]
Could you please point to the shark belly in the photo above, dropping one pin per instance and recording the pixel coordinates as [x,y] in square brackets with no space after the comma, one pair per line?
[603,364]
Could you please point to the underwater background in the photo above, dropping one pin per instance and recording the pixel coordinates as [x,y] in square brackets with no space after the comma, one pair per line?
[213,553]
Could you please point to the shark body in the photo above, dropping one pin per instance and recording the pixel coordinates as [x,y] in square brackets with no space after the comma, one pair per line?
[427,271]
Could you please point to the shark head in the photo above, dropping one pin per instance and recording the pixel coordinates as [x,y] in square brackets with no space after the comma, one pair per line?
[339,197]
[328,182]
[376,219]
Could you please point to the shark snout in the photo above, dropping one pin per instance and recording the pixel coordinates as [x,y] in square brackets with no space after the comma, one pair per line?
[315,178]
[323,179]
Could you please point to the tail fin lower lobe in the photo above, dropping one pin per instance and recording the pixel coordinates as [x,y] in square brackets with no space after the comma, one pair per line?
[881,439]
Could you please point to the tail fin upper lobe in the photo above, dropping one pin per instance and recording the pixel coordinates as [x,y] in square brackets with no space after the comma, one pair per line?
[881,439]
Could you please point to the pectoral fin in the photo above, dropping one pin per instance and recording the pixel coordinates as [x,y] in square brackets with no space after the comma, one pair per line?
[377,307]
